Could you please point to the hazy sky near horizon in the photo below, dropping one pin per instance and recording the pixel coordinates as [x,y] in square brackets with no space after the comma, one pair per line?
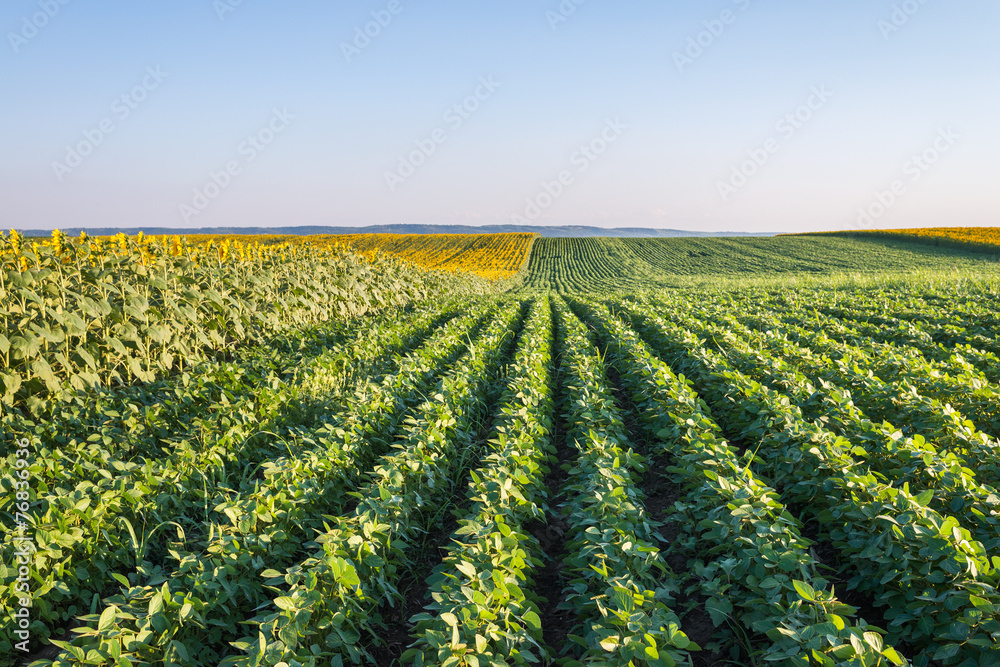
[721,115]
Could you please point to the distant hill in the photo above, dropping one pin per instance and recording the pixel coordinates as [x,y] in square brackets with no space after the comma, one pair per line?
[552,232]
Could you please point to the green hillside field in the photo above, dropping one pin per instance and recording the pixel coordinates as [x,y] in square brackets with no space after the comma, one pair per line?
[596,264]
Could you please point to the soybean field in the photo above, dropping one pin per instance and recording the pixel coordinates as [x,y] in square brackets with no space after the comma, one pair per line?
[598,264]
[412,467]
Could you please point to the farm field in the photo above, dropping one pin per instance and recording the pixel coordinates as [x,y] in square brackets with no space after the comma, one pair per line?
[490,256]
[597,264]
[493,256]
[789,471]
[982,239]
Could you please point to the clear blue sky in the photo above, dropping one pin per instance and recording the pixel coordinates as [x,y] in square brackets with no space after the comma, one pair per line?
[116,113]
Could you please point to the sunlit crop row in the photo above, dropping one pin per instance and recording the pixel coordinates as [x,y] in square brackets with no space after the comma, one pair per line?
[89,311]
[980,238]
[492,256]
[25,252]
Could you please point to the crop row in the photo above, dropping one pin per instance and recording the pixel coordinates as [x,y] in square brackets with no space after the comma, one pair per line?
[324,605]
[979,239]
[484,610]
[602,265]
[910,387]
[99,518]
[272,522]
[620,587]
[759,568]
[949,328]
[828,499]
[84,314]
[155,420]
[491,256]
[941,456]
[937,585]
